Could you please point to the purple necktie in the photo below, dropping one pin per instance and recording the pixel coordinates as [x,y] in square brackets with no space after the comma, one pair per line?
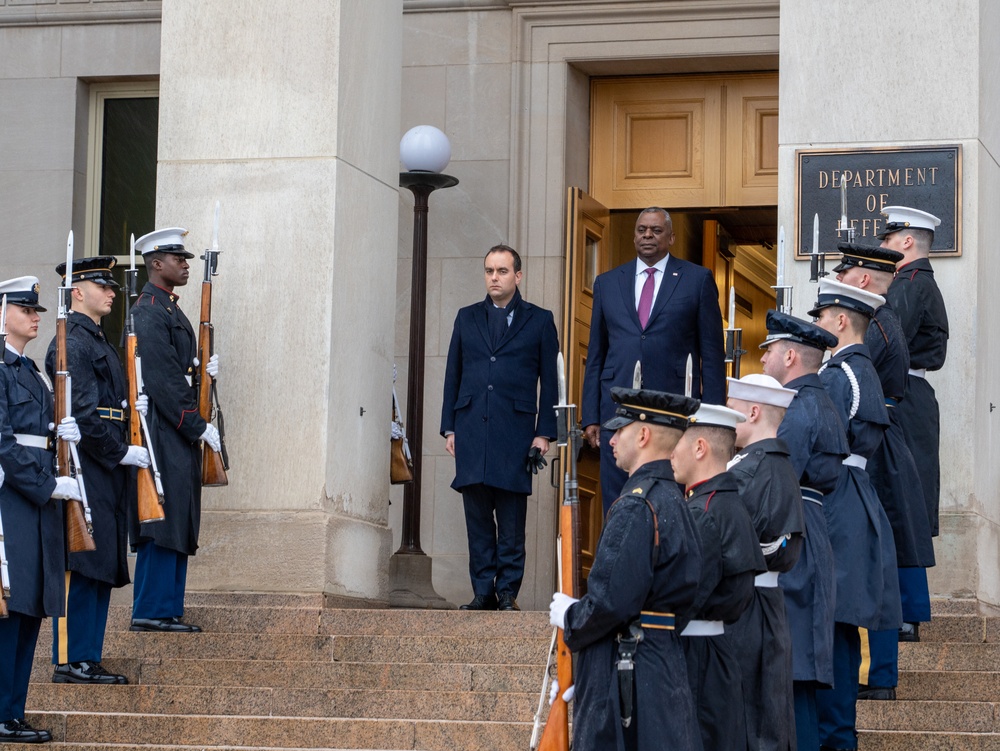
[646,297]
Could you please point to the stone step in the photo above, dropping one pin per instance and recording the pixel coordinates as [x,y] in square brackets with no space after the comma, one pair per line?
[284,702]
[949,656]
[883,740]
[961,628]
[931,716]
[135,730]
[937,685]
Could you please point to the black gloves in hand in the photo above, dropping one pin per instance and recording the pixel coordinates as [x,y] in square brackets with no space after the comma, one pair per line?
[535,460]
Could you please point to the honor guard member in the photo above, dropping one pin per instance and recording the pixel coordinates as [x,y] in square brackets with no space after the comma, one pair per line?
[769,488]
[99,396]
[30,506]
[892,469]
[730,561]
[863,550]
[915,297]
[814,434]
[631,681]
[167,344]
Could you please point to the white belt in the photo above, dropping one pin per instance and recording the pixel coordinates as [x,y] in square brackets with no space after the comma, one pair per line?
[34,441]
[855,460]
[918,372]
[769,579]
[704,628]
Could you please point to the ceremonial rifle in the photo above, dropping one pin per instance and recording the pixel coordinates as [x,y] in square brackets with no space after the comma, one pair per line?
[556,734]
[79,525]
[149,488]
[214,464]
[734,338]
[4,576]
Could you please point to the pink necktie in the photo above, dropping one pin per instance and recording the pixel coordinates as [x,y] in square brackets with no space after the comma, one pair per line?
[646,297]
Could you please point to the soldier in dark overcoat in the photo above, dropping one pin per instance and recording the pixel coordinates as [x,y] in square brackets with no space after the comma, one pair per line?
[769,488]
[730,560]
[167,345]
[817,442]
[99,395]
[863,548]
[644,579]
[30,507]
[892,469]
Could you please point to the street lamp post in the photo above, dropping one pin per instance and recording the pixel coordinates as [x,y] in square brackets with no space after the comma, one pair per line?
[424,151]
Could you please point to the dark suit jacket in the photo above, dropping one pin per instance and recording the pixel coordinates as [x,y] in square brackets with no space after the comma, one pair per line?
[685,319]
[492,400]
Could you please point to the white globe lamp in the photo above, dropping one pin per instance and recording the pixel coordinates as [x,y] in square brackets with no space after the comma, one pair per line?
[424,148]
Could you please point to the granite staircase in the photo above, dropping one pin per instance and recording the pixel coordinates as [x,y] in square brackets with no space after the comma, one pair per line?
[290,674]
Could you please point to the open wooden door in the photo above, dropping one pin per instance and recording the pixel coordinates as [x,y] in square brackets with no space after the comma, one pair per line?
[588,253]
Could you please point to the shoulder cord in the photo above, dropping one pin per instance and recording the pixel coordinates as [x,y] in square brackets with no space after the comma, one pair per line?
[855,389]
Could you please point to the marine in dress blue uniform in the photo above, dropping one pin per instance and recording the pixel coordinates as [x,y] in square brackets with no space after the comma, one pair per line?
[730,560]
[645,576]
[30,506]
[683,319]
[499,388]
[99,392]
[863,547]
[817,442]
[769,488]
[167,344]
[892,469]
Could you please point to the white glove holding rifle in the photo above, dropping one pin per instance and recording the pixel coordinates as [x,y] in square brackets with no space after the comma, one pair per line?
[211,437]
[212,366]
[558,607]
[141,404]
[67,429]
[567,696]
[67,489]
[136,456]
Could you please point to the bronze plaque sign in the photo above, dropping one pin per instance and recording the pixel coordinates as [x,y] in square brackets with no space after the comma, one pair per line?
[925,178]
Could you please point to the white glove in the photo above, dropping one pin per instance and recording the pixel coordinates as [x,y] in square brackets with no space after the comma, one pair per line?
[211,437]
[67,488]
[212,366]
[68,430]
[558,607]
[136,456]
[142,404]
[567,696]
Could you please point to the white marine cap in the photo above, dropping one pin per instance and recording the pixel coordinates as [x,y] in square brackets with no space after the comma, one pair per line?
[760,389]
[834,293]
[716,416]
[903,217]
[169,240]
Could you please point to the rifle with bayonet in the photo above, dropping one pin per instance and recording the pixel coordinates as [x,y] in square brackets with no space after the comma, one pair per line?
[555,737]
[79,524]
[149,489]
[214,463]
[4,576]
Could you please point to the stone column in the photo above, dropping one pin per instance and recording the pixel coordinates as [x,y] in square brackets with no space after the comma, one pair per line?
[288,114]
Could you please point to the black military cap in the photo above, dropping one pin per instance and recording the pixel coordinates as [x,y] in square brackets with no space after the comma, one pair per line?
[96,269]
[781,326]
[867,257]
[837,294]
[22,291]
[656,407]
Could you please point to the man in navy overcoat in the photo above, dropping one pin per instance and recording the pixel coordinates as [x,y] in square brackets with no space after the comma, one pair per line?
[656,310]
[493,415]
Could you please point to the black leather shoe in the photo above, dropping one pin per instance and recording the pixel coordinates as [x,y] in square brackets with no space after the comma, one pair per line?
[481,602]
[877,693]
[175,625]
[86,672]
[507,602]
[18,731]
[910,632]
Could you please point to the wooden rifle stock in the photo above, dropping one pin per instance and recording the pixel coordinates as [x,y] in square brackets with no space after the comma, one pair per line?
[79,538]
[213,469]
[150,505]
[3,574]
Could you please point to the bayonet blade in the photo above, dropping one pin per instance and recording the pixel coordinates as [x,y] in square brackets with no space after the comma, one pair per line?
[637,375]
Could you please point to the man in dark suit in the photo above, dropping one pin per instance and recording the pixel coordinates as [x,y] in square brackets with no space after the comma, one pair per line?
[493,418]
[656,310]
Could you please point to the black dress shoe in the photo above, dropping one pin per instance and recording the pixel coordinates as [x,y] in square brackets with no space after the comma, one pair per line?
[86,672]
[175,625]
[18,731]
[507,602]
[481,602]
[877,693]
[910,632]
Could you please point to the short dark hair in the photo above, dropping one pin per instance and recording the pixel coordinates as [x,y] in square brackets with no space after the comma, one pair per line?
[811,357]
[156,255]
[505,249]
[859,321]
[922,238]
[722,441]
